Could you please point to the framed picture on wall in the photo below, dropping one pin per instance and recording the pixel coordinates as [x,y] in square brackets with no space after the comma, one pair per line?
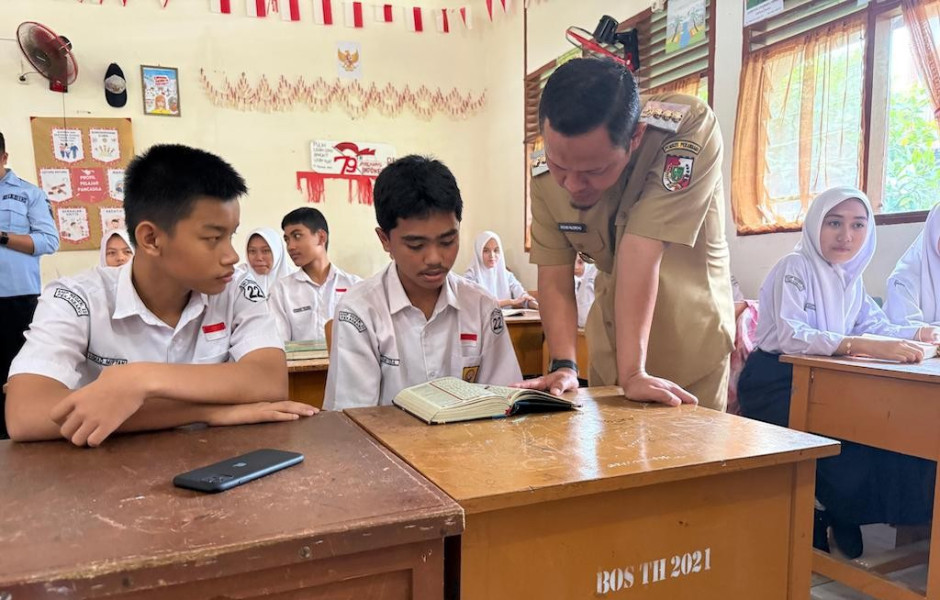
[161,90]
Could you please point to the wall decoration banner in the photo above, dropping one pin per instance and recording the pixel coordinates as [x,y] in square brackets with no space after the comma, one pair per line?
[758,10]
[80,165]
[359,163]
[685,24]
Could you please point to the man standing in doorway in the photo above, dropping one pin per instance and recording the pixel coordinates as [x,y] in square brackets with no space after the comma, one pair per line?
[26,233]
[634,187]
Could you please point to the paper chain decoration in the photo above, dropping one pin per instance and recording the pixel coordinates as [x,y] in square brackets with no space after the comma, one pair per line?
[355,99]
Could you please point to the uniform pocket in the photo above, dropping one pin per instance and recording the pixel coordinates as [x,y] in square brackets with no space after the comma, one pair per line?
[13,217]
[590,244]
[470,366]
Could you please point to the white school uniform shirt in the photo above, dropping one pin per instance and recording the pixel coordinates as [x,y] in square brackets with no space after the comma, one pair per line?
[281,263]
[301,308]
[383,344]
[96,319]
[498,281]
[807,305]
[913,294]
[584,292]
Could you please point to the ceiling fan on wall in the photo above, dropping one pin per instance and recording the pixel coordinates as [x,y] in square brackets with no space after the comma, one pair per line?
[606,34]
[48,53]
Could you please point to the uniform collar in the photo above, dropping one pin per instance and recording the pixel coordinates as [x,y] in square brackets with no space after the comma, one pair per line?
[398,299]
[11,179]
[127,301]
[301,275]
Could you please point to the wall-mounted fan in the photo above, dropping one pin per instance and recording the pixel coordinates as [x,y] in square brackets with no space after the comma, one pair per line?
[50,54]
[606,34]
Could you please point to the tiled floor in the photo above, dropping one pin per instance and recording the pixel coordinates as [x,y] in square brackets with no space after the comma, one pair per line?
[878,539]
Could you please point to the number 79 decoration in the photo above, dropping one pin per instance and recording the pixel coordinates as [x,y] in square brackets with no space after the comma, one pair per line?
[358,163]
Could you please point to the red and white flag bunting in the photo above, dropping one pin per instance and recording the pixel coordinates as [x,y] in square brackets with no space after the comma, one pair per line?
[354,14]
[466,17]
[414,17]
[223,7]
[443,22]
[289,9]
[384,13]
[505,4]
[256,8]
[323,12]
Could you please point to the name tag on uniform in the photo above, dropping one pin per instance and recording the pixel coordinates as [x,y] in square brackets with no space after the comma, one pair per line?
[302,309]
[572,227]
[216,331]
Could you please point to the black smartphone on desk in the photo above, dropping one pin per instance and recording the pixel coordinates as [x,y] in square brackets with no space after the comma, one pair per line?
[226,474]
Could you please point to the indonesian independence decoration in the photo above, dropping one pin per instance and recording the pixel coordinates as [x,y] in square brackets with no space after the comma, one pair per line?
[358,163]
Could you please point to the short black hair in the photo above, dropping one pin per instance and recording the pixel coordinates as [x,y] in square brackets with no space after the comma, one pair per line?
[586,93]
[3,144]
[312,218]
[163,184]
[415,186]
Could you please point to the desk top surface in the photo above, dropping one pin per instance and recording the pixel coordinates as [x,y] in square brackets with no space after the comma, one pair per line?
[527,316]
[72,512]
[609,444]
[927,371]
[310,364]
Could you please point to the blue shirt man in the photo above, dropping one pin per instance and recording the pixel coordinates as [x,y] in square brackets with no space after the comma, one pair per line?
[26,232]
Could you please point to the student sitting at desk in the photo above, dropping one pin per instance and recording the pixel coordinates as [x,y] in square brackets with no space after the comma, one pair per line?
[265,258]
[165,340]
[913,294]
[304,301]
[489,271]
[584,275]
[115,249]
[416,320]
[813,302]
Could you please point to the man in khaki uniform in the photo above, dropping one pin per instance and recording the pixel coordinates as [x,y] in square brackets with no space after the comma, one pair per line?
[635,187]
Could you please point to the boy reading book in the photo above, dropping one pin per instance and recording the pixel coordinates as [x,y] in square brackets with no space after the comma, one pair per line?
[416,320]
[165,340]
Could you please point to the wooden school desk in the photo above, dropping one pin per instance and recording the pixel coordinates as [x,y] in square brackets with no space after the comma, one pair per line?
[351,521]
[620,500]
[306,380]
[525,331]
[886,405]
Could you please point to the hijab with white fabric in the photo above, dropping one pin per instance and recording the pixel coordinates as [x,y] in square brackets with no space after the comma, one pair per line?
[279,268]
[913,294]
[495,280]
[103,254]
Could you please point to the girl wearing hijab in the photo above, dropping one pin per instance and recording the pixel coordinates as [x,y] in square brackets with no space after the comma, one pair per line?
[913,294]
[489,271]
[584,275]
[116,248]
[265,258]
[813,302]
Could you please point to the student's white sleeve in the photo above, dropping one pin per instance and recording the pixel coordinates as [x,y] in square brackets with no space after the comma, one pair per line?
[253,326]
[902,305]
[277,306]
[354,378]
[57,340]
[794,333]
[871,319]
[498,365]
[471,275]
[515,288]
[585,297]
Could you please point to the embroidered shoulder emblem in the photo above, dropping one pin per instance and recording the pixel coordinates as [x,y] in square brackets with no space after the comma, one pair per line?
[664,115]
[682,146]
[352,319]
[76,302]
[497,324]
[392,362]
[677,172]
[251,290]
[795,282]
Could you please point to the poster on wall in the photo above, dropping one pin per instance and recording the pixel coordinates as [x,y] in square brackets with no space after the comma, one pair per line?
[358,163]
[685,24]
[80,166]
[161,90]
[758,10]
[349,60]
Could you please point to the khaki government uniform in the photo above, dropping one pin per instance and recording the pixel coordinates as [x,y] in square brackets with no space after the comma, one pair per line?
[670,191]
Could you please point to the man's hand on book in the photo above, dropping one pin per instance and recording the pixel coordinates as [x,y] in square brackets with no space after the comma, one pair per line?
[555,383]
[643,387]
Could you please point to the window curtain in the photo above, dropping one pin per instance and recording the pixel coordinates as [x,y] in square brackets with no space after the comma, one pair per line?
[799,126]
[689,85]
[922,18]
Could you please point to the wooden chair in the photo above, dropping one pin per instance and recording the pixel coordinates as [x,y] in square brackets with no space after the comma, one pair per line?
[328,330]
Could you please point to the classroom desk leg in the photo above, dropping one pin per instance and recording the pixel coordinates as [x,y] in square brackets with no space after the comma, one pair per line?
[799,397]
[801,530]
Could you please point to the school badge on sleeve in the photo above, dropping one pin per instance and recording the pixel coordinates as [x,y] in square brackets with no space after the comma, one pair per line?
[677,172]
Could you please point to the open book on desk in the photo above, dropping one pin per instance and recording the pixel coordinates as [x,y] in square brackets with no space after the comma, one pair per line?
[930,350]
[306,349]
[450,399]
[520,312]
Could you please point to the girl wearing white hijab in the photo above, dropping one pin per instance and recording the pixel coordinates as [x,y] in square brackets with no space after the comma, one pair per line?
[488,270]
[584,275]
[913,295]
[265,258]
[116,248]
[813,302]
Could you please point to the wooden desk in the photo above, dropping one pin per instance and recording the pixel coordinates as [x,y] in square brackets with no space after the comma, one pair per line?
[525,331]
[890,406]
[351,521]
[668,502]
[306,380]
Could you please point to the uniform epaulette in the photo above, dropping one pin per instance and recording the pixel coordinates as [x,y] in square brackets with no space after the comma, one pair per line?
[664,115]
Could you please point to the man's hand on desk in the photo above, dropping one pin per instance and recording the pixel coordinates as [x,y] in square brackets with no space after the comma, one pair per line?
[557,382]
[642,387]
[259,412]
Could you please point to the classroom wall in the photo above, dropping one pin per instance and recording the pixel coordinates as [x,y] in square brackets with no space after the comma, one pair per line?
[267,148]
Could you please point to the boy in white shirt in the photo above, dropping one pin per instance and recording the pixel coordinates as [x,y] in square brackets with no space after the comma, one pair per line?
[165,340]
[304,301]
[416,320]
